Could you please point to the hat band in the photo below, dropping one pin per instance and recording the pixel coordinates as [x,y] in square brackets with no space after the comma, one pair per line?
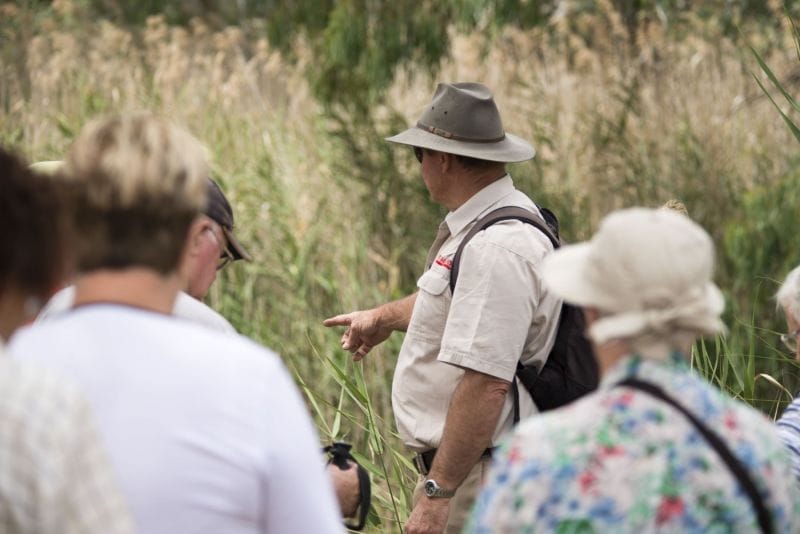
[454,137]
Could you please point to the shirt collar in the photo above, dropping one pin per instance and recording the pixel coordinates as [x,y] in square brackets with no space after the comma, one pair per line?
[650,369]
[479,203]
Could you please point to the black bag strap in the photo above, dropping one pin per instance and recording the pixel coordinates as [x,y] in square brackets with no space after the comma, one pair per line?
[739,471]
[339,456]
[504,214]
[500,214]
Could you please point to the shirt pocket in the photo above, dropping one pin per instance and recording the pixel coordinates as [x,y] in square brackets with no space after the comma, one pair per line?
[432,305]
[434,281]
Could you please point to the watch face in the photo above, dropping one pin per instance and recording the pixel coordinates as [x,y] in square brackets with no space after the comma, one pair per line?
[430,488]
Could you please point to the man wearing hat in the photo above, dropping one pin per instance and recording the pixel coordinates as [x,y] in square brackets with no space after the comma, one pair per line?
[210,256]
[461,349]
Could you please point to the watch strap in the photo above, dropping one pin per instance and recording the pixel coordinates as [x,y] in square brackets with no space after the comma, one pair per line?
[434,491]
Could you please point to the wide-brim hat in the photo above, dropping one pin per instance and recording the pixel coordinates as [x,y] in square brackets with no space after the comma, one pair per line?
[463,119]
[219,210]
[643,266]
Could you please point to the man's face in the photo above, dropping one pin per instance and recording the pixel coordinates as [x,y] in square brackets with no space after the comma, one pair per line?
[431,173]
[209,248]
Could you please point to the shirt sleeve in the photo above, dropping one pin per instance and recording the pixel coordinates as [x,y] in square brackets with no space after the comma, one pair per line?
[492,309]
[789,431]
[298,493]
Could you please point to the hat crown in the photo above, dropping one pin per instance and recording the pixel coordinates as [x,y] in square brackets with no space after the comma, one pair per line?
[218,207]
[647,259]
[465,112]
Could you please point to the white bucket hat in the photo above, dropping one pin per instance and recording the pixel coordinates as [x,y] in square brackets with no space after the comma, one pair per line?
[463,119]
[647,271]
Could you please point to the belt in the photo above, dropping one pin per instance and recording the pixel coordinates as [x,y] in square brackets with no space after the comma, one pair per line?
[424,460]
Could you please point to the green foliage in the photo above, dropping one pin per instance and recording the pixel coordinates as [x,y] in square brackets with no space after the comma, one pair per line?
[758,245]
[758,248]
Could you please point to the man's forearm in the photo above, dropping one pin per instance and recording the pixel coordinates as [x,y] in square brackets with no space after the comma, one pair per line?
[471,421]
[396,314]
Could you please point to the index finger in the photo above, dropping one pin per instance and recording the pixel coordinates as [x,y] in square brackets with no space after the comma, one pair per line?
[340,320]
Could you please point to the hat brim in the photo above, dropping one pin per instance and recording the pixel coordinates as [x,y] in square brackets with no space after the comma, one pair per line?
[564,272]
[511,149]
[236,248]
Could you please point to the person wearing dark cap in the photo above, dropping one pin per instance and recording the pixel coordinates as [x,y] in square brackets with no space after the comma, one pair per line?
[212,246]
[462,346]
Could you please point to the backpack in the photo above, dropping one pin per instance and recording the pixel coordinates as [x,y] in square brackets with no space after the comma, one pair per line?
[571,370]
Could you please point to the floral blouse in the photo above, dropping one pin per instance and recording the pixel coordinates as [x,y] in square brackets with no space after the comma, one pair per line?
[620,460]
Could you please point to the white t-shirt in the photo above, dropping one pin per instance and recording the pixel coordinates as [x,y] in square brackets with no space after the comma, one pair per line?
[185,307]
[201,443]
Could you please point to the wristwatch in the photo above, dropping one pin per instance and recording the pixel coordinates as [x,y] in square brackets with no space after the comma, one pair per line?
[434,491]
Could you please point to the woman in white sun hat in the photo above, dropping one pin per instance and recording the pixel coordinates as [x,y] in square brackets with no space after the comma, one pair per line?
[655,448]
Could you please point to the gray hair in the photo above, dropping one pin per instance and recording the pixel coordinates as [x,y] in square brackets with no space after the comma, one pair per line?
[788,296]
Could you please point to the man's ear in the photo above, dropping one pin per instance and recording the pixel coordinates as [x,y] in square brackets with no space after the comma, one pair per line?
[446,161]
[191,248]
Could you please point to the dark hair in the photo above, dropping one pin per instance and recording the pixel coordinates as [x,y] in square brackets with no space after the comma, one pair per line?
[465,161]
[475,163]
[33,229]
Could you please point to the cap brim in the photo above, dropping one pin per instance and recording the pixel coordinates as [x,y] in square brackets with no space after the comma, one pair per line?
[236,248]
[564,272]
[511,149]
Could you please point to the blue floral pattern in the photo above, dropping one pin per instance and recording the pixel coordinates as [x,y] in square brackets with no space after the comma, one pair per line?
[620,460]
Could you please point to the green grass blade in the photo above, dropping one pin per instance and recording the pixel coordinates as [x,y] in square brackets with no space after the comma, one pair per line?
[778,85]
[794,129]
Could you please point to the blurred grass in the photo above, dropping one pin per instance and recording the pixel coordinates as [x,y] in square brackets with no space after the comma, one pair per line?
[338,220]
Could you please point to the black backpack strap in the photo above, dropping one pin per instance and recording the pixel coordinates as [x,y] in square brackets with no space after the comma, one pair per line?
[500,214]
[549,229]
[339,456]
[734,464]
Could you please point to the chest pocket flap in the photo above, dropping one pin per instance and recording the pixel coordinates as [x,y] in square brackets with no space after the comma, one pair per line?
[434,281]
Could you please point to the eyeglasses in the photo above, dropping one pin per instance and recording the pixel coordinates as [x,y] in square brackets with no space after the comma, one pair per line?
[225,256]
[418,153]
[790,340]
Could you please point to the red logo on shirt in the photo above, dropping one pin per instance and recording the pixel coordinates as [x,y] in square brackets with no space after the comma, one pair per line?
[444,262]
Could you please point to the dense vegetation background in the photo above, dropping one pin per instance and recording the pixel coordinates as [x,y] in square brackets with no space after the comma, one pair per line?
[629,102]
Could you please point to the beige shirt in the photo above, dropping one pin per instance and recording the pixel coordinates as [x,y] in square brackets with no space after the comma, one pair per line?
[500,313]
[55,476]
